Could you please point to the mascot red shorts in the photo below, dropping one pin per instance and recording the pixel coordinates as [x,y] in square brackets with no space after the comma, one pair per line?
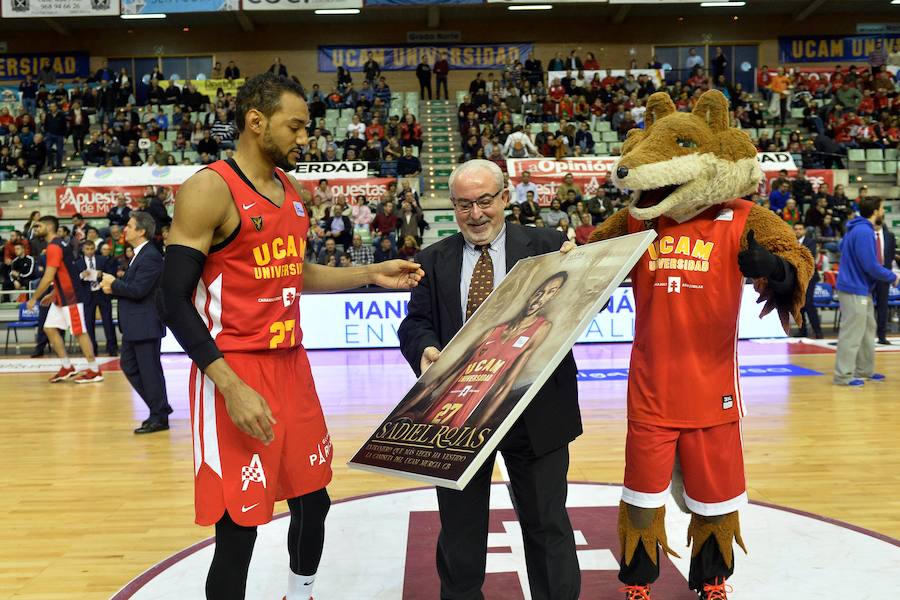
[712,462]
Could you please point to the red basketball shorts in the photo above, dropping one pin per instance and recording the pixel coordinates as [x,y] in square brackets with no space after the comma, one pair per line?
[712,462]
[240,474]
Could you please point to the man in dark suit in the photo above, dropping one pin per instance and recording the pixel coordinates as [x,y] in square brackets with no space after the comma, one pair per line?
[91,268]
[888,243]
[142,330]
[120,213]
[536,448]
[809,309]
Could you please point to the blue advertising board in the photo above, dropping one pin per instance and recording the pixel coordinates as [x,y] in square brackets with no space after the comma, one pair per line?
[408,57]
[832,48]
[68,65]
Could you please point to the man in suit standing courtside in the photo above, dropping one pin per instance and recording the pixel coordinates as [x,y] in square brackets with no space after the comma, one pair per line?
[809,309]
[887,242]
[536,449]
[142,330]
[91,267]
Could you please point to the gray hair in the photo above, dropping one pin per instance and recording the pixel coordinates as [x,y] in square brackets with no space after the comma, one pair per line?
[468,168]
[143,220]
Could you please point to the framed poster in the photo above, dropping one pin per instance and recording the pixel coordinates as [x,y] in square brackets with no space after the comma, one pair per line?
[457,413]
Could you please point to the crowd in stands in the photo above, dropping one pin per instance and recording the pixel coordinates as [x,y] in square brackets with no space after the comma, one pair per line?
[24,255]
[363,231]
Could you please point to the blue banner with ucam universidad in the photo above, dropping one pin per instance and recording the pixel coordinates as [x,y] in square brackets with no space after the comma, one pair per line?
[68,65]
[408,57]
[833,48]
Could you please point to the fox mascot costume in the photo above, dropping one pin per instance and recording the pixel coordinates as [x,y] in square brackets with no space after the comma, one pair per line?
[687,172]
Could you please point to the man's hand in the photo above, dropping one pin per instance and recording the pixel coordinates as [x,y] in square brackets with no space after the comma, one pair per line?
[757,261]
[30,304]
[107,280]
[397,274]
[429,357]
[567,247]
[249,411]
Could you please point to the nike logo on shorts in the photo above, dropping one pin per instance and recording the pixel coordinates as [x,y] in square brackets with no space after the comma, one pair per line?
[248,206]
[251,507]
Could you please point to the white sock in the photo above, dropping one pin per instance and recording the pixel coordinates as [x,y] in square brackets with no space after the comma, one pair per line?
[66,363]
[300,587]
[92,365]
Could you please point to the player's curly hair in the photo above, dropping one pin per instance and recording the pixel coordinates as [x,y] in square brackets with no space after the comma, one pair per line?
[263,93]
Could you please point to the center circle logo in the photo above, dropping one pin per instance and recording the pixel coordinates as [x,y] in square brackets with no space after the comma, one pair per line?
[160,171]
[381,547]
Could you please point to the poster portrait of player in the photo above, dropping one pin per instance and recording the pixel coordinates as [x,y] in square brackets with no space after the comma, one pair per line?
[454,416]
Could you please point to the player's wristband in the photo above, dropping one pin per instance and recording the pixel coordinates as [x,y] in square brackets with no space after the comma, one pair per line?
[182,270]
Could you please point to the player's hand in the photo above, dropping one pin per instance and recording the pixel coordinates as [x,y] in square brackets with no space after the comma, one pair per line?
[567,246]
[30,304]
[397,274]
[249,411]
[756,261]
[429,357]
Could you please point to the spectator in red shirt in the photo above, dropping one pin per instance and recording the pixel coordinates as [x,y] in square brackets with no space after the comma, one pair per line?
[867,104]
[375,130]
[591,64]
[410,132]
[9,249]
[441,69]
[584,230]
[385,225]
[557,91]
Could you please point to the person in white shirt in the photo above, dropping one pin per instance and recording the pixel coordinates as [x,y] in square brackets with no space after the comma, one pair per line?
[522,189]
[356,128]
[693,60]
[519,145]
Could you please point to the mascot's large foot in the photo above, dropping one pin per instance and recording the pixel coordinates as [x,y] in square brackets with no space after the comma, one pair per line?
[640,546]
[712,555]
[636,592]
[717,590]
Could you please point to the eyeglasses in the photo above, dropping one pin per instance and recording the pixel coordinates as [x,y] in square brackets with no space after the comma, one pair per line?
[464,205]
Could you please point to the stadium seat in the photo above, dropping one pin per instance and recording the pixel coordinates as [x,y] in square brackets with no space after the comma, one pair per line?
[603,126]
[601,149]
[874,154]
[875,167]
[856,155]
[890,167]
[891,154]
[610,136]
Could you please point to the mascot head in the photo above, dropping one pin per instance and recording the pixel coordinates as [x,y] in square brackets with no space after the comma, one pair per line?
[683,163]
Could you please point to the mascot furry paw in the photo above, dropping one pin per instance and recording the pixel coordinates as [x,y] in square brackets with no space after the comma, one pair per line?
[687,172]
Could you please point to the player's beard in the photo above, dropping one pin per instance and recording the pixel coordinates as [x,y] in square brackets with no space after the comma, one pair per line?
[278,158]
[879,221]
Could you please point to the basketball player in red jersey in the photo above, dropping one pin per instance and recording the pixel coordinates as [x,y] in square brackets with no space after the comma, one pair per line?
[489,372]
[67,309]
[232,281]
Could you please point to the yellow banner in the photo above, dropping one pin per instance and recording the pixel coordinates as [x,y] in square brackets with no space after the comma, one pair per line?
[209,87]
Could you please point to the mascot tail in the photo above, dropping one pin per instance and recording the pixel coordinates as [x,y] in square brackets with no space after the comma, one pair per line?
[678,486]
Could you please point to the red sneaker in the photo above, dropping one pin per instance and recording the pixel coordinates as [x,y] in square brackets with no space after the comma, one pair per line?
[636,592]
[715,591]
[63,374]
[88,376]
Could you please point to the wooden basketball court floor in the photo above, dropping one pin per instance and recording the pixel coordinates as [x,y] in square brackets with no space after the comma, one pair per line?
[87,505]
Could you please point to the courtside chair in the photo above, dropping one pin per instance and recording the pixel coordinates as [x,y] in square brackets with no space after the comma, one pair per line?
[28,319]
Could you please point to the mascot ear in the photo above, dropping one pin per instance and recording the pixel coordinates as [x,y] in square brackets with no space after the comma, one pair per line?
[712,107]
[658,106]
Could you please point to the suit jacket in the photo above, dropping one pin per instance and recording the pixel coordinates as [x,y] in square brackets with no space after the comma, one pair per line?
[810,243]
[890,247]
[104,265]
[553,418]
[136,292]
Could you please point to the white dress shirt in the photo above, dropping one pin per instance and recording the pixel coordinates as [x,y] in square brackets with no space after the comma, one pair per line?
[470,258]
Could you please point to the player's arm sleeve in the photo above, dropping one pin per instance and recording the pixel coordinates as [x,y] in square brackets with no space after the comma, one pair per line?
[419,329]
[181,272]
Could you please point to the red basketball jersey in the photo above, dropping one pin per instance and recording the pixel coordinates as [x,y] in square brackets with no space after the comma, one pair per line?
[687,289]
[487,366]
[249,292]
